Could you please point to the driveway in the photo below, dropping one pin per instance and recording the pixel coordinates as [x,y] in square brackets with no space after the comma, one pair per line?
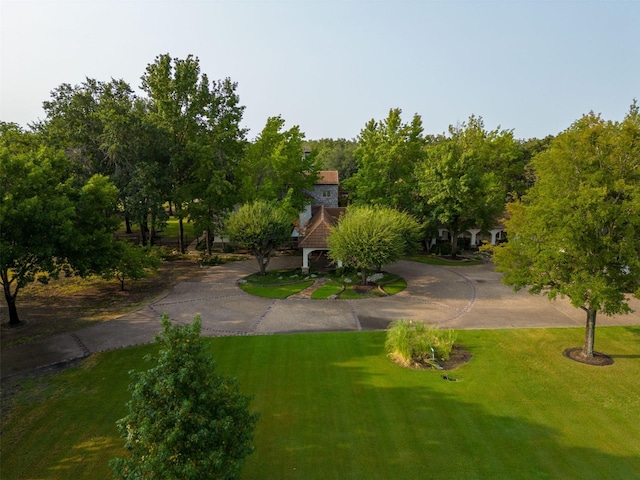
[464,297]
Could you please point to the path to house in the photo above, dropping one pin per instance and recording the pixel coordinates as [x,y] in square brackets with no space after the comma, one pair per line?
[469,297]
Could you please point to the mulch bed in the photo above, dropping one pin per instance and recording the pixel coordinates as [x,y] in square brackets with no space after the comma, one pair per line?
[598,359]
[364,289]
[459,356]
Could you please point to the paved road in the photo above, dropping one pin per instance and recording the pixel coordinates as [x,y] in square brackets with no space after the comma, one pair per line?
[470,297]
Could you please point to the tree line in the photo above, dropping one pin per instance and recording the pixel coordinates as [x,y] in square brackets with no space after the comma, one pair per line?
[104,155]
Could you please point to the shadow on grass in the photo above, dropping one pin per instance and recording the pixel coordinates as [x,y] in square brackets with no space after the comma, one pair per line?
[333,406]
[364,417]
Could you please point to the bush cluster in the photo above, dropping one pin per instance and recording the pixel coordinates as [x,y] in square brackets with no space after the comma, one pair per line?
[415,344]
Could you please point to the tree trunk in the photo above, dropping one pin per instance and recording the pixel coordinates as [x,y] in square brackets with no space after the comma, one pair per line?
[454,245]
[363,273]
[152,234]
[127,222]
[14,320]
[261,264]
[207,239]
[181,235]
[590,333]
[143,232]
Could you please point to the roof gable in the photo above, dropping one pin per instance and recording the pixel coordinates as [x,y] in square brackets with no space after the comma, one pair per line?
[323,219]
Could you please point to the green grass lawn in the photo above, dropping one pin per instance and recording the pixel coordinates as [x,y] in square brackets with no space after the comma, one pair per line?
[172,229]
[327,290]
[395,286]
[333,406]
[283,283]
[276,283]
[276,291]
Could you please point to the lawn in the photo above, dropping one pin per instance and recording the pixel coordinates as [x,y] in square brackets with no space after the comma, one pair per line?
[333,406]
[276,291]
[284,283]
[276,283]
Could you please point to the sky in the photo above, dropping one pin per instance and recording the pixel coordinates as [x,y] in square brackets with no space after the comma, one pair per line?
[330,66]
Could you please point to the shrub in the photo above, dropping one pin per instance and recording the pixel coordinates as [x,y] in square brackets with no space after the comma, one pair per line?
[418,344]
[184,420]
[442,249]
[210,260]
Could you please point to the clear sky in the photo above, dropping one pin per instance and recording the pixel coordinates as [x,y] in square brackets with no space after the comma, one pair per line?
[329,66]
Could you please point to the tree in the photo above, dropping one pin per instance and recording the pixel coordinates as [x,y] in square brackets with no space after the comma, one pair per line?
[260,227]
[368,237]
[105,129]
[576,233]
[74,124]
[50,221]
[463,178]
[333,154]
[131,262]
[214,185]
[276,168]
[180,104]
[387,155]
[136,152]
[184,421]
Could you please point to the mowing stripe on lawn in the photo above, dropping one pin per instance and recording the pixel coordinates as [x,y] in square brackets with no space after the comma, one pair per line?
[333,406]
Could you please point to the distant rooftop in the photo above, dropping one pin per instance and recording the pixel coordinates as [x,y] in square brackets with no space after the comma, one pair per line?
[327,177]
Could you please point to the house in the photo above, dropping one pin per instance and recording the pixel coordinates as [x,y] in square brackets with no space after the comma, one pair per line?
[325,192]
[314,237]
[475,236]
[316,219]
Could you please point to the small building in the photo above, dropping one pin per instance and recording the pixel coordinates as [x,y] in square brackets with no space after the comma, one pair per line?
[314,236]
[325,192]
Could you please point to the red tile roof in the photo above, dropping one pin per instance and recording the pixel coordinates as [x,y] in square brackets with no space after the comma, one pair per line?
[327,177]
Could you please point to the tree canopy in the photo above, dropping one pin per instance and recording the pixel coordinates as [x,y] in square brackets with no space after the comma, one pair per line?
[370,237]
[465,175]
[50,220]
[336,154]
[205,142]
[275,167]
[387,155]
[576,233]
[184,421]
[260,227]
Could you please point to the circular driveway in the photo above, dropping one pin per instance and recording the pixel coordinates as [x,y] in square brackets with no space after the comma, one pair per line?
[456,297]
[461,297]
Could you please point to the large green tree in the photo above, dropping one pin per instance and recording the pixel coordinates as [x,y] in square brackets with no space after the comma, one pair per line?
[576,233]
[370,237]
[465,177]
[214,184]
[50,220]
[73,123]
[387,154]
[275,166]
[105,129]
[184,421]
[260,227]
[335,154]
[180,102]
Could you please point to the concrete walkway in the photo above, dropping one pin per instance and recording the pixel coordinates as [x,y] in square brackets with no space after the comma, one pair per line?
[465,297]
